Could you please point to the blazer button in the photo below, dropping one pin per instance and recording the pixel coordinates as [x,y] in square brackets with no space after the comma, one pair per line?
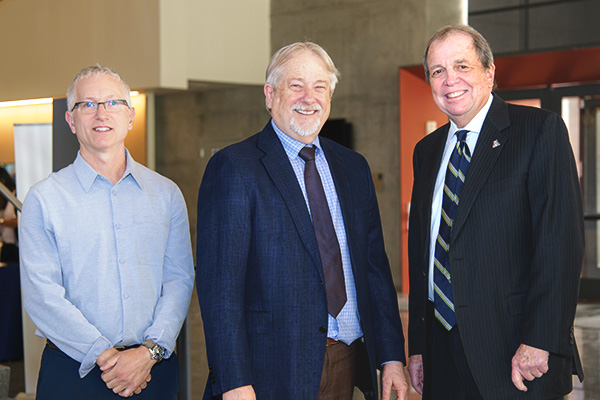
[323,329]
[424,273]
[571,336]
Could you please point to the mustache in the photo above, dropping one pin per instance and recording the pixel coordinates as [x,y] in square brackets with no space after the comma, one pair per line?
[304,107]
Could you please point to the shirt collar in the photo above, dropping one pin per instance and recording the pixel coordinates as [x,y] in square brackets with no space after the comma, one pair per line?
[476,123]
[292,146]
[87,175]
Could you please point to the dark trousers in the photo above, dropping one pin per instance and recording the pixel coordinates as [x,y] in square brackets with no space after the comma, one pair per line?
[59,379]
[447,374]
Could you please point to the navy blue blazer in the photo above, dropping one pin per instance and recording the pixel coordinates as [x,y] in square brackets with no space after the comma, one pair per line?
[259,274]
[516,249]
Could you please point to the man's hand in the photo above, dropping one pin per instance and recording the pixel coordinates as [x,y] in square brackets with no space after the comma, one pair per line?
[241,393]
[393,378]
[529,363]
[415,369]
[126,372]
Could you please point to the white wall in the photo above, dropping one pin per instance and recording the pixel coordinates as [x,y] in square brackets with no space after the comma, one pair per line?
[151,43]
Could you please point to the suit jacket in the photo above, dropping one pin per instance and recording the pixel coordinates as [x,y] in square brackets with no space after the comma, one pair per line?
[516,249]
[260,279]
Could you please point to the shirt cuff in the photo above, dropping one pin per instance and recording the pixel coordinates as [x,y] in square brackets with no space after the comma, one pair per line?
[89,361]
[389,362]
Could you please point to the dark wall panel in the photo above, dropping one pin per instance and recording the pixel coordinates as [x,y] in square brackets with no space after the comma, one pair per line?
[64,142]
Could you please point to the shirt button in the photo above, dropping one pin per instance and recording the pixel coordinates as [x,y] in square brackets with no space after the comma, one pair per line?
[122,261]
[125,296]
[118,226]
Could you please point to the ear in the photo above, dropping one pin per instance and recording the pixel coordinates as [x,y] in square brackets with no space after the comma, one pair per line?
[131,117]
[269,95]
[491,74]
[69,119]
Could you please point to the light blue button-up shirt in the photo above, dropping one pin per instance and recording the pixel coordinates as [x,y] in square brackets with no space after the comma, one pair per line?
[105,265]
[346,327]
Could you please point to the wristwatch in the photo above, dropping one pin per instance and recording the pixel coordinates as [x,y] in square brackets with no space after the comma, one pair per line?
[157,352]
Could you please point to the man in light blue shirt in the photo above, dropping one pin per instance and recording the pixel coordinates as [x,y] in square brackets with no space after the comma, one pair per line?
[107,268]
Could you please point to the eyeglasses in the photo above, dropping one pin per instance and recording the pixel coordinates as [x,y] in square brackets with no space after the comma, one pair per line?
[91,107]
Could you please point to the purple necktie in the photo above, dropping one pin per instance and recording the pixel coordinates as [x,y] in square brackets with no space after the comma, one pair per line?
[329,247]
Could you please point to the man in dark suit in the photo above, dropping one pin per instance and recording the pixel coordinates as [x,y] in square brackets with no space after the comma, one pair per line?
[495,239]
[289,311]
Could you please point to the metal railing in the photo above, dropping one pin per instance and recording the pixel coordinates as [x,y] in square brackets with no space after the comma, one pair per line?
[10,196]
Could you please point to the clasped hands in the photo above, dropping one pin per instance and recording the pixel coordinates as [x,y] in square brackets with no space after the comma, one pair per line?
[528,363]
[126,372]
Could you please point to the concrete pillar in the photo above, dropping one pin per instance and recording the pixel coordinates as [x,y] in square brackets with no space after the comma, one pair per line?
[368,41]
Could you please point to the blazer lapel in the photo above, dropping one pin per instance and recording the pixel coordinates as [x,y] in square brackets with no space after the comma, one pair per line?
[278,167]
[489,145]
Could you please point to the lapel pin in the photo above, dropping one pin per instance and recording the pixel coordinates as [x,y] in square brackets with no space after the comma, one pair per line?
[495,144]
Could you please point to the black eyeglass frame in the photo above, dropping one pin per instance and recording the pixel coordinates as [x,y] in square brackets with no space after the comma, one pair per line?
[117,101]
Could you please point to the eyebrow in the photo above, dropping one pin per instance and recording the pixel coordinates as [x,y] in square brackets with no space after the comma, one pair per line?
[111,97]
[303,80]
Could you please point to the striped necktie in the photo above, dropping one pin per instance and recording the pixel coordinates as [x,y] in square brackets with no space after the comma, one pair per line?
[455,178]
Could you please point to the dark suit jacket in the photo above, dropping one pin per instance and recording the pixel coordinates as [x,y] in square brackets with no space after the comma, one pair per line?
[516,249]
[259,275]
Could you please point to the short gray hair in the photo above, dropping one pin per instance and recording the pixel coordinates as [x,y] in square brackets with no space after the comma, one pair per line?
[482,47]
[95,70]
[286,53]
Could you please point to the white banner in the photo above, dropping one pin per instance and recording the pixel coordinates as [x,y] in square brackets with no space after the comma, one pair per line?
[33,155]
[33,162]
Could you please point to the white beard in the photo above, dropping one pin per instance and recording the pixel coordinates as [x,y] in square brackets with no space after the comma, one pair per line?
[309,130]
[304,132]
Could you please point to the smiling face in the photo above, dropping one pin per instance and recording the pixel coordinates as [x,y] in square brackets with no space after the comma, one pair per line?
[300,104]
[459,83]
[102,131]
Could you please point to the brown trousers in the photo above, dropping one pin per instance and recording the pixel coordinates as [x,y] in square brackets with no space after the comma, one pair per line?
[339,369]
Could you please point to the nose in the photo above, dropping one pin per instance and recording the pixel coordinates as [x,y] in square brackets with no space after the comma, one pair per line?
[101,110]
[308,95]
[451,77]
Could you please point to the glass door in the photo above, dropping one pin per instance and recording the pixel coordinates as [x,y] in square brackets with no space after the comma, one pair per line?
[579,107]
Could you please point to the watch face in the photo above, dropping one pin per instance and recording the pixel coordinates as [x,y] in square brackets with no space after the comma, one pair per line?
[158,352]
